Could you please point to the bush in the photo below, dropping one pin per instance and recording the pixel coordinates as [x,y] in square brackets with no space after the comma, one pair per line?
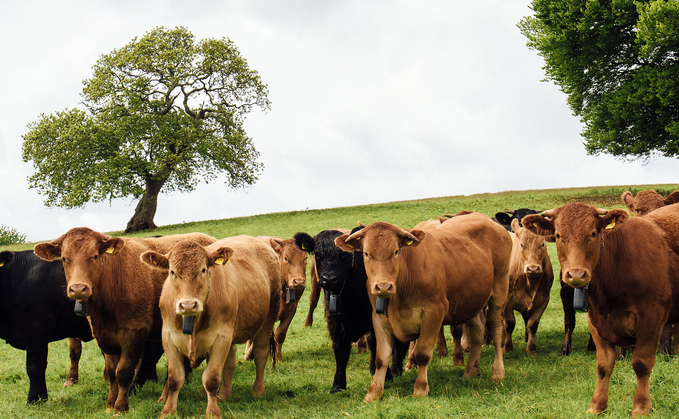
[9,235]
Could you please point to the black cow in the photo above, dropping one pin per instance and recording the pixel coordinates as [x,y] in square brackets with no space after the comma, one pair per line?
[343,279]
[35,311]
[505,218]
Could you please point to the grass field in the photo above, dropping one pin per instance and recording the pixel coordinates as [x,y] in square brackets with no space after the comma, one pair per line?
[544,386]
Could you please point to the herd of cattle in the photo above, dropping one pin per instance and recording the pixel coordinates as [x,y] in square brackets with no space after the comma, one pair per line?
[393,287]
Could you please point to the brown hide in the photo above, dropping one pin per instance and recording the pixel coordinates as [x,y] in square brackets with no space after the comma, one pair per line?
[236,301]
[530,283]
[123,294]
[444,275]
[293,261]
[629,269]
[648,200]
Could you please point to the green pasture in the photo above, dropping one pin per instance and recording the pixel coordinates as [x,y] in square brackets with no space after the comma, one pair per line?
[542,386]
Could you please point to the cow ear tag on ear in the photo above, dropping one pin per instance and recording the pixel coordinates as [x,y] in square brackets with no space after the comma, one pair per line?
[110,249]
[220,261]
[2,264]
[610,226]
[409,242]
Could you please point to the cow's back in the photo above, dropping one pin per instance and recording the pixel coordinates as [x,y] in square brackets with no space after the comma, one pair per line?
[253,275]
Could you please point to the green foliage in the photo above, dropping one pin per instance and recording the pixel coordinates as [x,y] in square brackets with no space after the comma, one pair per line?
[161,113]
[617,62]
[10,235]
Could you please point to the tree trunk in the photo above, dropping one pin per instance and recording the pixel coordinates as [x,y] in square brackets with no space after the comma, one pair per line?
[146,208]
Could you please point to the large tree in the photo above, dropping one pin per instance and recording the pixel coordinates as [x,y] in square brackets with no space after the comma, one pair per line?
[618,62]
[159,115]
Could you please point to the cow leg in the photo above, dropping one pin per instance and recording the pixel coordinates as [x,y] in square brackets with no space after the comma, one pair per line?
[383,353]
[361,345]
[75,349]
[411,358]
[261,354]
[126,366]
[496,305]
[215,369]
[399,353]
[509,327]
[665,346]
[248,351]
[458,351]
[605,362]
[314,295]
[643,361]
[567,293]
[424,348]
[36,364]
[532,321]
[342,350]
[110,365]
[147,367]
[176,376]
[282,329]
[475,339]
[226,390]
[441,345]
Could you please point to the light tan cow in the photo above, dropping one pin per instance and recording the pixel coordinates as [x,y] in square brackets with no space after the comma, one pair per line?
[230,302]
[441,276]
[530,282]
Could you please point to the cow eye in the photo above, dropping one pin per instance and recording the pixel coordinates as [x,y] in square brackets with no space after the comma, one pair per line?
[95,257]
[593,233]
[557,235]
[204,270]
[172,273]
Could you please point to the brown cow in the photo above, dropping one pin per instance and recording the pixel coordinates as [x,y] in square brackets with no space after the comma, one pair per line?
[441,276]
[530,282]
[122,293]
[231,303]
[293,262]
[631,274]
[647,201]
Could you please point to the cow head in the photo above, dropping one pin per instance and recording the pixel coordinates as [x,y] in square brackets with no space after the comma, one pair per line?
[6,257]
[293,262]
[81,250]
[532,251]
[578,230]
[189,268]
[647,201]
[381,244]
[506,218]
[332,264]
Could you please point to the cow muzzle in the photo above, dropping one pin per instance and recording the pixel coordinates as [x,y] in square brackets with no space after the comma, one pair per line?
[189,306]
[297,283]
[80,292]
[533,271]
[384,289]
[577,278]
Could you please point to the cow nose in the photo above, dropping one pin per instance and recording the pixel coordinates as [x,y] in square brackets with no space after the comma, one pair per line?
[78,291]
[298,283]
[187,307]
[384,289]
[576,277]
[533,269]
[326,279]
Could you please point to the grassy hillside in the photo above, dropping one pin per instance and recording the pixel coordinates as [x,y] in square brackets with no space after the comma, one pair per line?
[545,386]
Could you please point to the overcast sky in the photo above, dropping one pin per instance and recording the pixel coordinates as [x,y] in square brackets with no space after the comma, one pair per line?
[372,101]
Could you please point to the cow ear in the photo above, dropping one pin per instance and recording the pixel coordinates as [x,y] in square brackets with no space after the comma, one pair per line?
[503,218]
[628,199]
[305,242]
[539,225]
[673,198]
[516,226]
[612,219]
[221,256]
[6,257]
[349,243]
[112,245]
[413,238]
[48,251]
[155,259]
[277,245]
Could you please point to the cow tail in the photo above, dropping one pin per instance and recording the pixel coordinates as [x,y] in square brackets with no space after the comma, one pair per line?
[272,349]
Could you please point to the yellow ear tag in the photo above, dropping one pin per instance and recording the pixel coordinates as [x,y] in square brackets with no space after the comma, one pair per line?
[220,261]
[155,262]
[110,249]
[409,242]
[349,245]
[535,224]
[304,248]
[610,226]
[2,263]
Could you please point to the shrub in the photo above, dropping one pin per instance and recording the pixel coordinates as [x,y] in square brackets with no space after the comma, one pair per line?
[9,235]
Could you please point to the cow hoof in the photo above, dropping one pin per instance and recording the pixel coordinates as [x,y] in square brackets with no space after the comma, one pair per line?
[371,397]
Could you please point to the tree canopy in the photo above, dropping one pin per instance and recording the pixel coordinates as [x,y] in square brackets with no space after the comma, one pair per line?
[618,62]
[159,115]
